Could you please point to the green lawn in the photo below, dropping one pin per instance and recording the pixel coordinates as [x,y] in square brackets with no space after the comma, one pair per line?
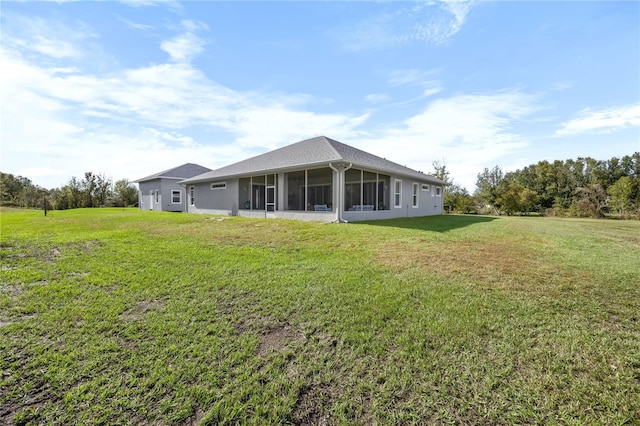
[124,316]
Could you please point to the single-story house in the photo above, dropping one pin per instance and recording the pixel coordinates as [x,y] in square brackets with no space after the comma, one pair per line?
[317,179]
[161,191]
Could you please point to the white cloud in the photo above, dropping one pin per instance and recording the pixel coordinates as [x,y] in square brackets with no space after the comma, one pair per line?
[416,78]
[427,22]
[272,126]
[459,9]
[187,45]
[602,121]
[36,172]
[411,76]
[137,121]
[170,4]
[136,25]
[432,91]
[376,98]
[54,48]
[53,39]
[469,132]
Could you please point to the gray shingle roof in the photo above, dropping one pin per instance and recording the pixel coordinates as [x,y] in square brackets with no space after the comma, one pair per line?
[316,151]
[184,171]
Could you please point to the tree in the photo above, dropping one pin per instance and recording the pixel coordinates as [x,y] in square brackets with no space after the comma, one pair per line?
[460,201]
[88,185]
[441,172]
[621,194]
[125,193]
[70,196]
[590,201]
[487,185]
[95,190]
[18,191]
[12,189]
[102,191]
[528,201]
[508,196]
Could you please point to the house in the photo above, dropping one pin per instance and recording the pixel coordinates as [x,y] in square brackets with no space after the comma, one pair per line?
[317,179]
[161,191]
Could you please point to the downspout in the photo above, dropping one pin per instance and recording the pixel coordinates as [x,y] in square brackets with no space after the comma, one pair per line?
[340,206]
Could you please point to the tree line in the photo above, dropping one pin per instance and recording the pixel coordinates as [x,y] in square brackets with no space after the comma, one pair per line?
[94,190]
[578,188]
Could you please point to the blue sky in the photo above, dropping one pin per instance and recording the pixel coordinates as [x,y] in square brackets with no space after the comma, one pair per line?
[131,88]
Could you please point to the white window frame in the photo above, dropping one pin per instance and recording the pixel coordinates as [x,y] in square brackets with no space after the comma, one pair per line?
[397,193]
[157,196]
[173,193]
[414,195]
[425,187]
[192,196]
[215,186]
[438,191]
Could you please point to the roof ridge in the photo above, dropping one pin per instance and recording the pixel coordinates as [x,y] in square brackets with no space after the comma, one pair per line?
[169,173]
[331,143]
[173,168]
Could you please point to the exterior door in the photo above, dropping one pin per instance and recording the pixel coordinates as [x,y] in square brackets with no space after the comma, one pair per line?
[271,198]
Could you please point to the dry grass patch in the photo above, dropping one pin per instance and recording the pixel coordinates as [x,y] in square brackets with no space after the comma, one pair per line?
[500,264]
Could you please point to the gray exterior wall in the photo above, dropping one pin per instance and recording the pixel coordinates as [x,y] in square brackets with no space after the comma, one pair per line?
[165,202]
[214,201]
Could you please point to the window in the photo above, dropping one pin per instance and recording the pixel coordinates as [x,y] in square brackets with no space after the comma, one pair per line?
[415,195]
[192,196]
[425,187]
[397,196]
[176,197]
[438,191]
[218,185]
[157,196]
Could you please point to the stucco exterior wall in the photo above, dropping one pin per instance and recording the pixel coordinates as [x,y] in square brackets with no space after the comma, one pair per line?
[165,187]
[214,201]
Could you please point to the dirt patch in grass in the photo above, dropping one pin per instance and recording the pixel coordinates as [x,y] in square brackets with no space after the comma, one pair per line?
[311,406]
[11,290]
[142,308]
[317,397]
[277,339]
[197,417]
[45,251]
[8,411]
[28,410]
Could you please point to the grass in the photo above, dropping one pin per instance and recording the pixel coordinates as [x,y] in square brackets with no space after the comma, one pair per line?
[124,316]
